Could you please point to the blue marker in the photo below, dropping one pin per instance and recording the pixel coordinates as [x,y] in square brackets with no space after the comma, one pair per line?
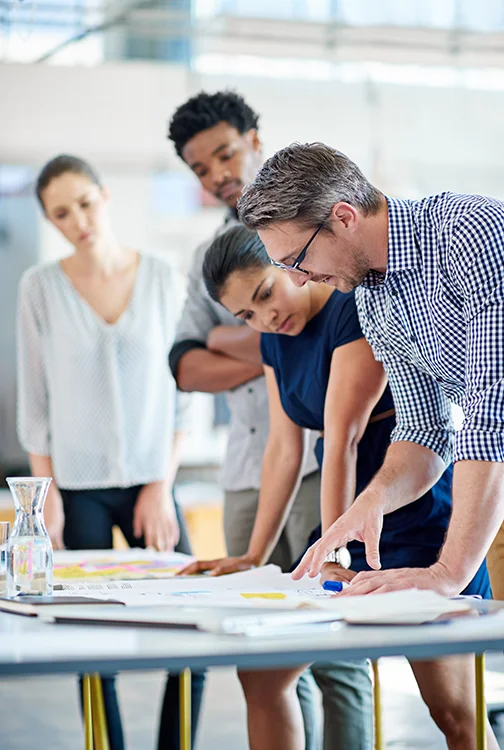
[334,586]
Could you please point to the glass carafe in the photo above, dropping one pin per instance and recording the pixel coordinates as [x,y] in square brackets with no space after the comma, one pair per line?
[29,549]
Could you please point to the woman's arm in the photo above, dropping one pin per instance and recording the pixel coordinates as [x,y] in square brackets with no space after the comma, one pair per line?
[176,456]
[281,474]
[54,515]
[356,382]
[33,400]
[154,515]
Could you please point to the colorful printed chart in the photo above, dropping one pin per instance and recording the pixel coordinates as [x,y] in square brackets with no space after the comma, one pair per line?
[113,567]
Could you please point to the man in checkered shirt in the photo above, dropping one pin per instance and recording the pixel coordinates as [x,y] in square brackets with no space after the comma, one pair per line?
[430,278]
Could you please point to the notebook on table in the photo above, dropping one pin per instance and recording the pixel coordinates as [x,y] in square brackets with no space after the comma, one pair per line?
[220,620]
[34,606]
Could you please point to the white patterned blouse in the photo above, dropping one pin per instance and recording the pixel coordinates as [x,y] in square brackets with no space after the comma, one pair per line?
[97,398]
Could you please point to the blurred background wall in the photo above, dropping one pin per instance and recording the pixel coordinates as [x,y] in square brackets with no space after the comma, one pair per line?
[413,90]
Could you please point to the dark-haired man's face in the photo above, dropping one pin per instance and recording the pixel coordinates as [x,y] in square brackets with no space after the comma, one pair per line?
[224,160]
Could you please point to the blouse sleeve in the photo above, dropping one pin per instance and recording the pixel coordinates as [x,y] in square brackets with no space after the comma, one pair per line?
[32,393]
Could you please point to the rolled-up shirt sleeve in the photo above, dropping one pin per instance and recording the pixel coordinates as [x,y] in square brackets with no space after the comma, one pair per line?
[423,413]
[478,267]
[32,392]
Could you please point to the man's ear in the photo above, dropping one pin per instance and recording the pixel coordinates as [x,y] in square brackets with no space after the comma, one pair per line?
[346,214]
[252,136]
[105,193]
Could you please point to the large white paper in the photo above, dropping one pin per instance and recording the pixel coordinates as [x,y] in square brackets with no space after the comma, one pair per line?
[269,587]
[263,587]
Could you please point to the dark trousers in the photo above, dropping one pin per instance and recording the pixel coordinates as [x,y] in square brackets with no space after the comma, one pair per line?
[89,517]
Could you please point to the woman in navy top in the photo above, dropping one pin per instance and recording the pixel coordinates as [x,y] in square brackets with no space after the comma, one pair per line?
[321,374]
[412,535]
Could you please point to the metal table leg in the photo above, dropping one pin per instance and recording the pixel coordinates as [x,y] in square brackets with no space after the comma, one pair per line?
[88,712]
[377,708]
[481,738]
[100,730]
[185,709]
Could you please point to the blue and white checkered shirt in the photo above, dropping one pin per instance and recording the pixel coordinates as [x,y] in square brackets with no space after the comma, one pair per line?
[436,321]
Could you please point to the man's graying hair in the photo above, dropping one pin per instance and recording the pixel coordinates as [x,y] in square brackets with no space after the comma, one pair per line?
[303,181]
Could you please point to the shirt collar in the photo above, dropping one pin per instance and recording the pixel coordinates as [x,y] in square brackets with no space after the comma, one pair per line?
[402,244]
[231,215]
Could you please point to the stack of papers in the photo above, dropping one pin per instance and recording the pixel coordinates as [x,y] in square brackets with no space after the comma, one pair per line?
[412,607]
[155,602]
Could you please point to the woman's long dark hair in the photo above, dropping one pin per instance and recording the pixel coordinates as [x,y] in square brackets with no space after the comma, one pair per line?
[235,249]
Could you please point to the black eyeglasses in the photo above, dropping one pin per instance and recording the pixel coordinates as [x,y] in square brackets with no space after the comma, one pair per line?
[296,266]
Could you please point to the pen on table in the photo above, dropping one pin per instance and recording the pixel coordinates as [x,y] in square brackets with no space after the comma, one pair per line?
[334,586]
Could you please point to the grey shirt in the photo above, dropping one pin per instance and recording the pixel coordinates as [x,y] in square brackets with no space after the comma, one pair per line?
[248,403]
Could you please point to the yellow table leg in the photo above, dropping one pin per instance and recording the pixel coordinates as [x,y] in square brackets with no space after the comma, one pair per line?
[377,708]
[481,738]
[100,730]
[185,709]
[88,713]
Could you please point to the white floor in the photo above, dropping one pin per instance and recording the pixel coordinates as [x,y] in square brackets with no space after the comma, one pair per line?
[43,712]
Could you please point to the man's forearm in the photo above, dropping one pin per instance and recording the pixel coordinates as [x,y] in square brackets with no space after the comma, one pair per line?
[209,372]
[238,342]
[408,471]
[338,480]
[478,511]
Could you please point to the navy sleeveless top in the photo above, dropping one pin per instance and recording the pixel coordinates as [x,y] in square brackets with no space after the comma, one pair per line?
[412,535]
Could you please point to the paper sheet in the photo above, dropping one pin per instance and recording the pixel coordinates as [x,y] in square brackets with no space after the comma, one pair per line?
[259,587]
[397,607]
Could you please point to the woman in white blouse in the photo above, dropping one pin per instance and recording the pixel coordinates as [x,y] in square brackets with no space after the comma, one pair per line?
[96,401]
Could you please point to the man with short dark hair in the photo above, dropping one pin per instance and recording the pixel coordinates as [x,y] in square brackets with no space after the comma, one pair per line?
[216,135]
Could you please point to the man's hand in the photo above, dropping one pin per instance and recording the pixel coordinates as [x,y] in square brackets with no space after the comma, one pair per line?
[334,572]
[154,517]
[436,578]
[219,567]
[363,521]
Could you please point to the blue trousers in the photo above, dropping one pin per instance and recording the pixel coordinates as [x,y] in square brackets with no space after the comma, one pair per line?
[89,518]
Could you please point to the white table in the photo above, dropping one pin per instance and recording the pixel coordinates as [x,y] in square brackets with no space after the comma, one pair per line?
[30,647]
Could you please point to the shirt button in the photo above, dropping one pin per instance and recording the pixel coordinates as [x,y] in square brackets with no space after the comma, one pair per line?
[252,430]
[251,390]
[394,292]
[413,338]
